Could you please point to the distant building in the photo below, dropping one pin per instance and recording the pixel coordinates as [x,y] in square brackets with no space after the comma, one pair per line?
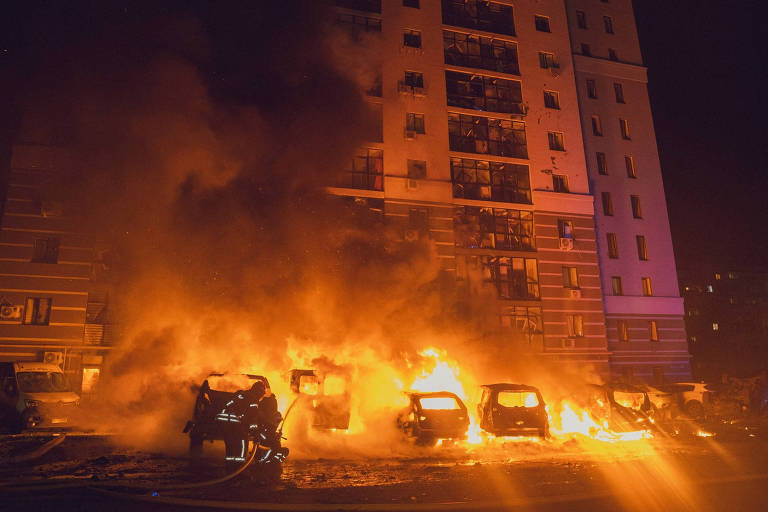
[727,321]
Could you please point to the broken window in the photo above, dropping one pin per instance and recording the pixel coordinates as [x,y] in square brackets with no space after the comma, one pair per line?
[475,51]
[493,228]
[417,169]
[46,250]
[552,100]
[37,311]
[474,134]
[523,324]
[556,141]
[483,93]
[541,23]
[616,285]
[490,181]
[602,163]
[560,183]
[514,277]
[575,326]
[570,277]
[414,122]
[613,245]
[366,171]
[412,38]
[480,15]
[414,79]
[547,60]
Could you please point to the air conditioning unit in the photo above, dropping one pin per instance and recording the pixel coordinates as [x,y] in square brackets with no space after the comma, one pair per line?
[411,184]
[53,357]
[9,312]
[569,342]
[411,235]
[566,244]
[575,293]
[410,134]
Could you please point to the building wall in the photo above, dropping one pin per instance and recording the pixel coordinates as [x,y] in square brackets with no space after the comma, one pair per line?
[638,356]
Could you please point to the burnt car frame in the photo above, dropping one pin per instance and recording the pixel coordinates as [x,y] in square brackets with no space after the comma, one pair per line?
[627,408]
[326,395]
[433,416]
[513,410]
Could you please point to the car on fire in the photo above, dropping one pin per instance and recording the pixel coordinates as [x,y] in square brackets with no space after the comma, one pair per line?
[35,395]
[625,407]
[513,410]
[434,416]
[325,395]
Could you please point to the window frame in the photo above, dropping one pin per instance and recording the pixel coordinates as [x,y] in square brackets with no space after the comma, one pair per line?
[570,277]
[629,163]
[608,24]
[575,324]
[602,163]
[637,208]
[547,26]
[642,247]
[412,38]
[556,141]
[592,89]
[618,91]
[32,311]
[617,287]
[415,122]
[653,331]
[647,286]
[548,60]
[607,204]
[561,183]
[622,330]
[612,241]
[597,126]
[581,20]
[624,128]
[554,96]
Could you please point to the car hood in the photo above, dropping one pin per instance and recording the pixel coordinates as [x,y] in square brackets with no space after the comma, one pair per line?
[54,397]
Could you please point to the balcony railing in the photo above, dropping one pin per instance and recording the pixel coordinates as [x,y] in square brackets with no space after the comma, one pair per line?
[361,180]
[479,15]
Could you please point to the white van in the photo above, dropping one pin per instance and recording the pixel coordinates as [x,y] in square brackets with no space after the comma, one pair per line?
[35,395]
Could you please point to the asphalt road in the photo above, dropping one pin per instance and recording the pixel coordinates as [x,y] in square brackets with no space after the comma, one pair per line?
[728,471]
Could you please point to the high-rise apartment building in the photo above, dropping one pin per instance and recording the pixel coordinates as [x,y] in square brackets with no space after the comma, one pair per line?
[518,137]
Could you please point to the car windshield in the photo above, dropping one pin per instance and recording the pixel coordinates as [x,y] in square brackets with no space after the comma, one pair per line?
[518,399]
[628,399]
[443,403]
[308,385]
[42,382]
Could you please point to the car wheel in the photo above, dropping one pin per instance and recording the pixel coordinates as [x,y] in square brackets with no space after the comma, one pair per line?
[694,409]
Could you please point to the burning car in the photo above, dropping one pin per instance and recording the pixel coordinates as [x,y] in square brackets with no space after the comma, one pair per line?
[430,417]
[513,410]
[626,408]
[35,395]
[326,395]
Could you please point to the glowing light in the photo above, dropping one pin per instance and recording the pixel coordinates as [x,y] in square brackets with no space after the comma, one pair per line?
[439,403]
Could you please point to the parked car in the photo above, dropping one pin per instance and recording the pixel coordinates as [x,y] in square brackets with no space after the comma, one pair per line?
[430,417]
[664,401]
[626,408]
[513,410]
[696,398]
[326,395]
[35,395]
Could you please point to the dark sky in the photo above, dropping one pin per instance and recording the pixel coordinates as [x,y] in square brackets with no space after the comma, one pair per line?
[705,65]
[705,62]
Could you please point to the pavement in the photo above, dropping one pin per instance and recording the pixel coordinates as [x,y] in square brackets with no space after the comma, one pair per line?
[725,471]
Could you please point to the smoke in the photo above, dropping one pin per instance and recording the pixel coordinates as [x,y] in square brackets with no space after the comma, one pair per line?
[201,141]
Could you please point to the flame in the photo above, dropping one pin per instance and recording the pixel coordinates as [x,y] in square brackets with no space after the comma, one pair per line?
[574,420]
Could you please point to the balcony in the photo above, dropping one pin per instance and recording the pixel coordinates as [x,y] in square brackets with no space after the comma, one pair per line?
[479,15]
[472,51]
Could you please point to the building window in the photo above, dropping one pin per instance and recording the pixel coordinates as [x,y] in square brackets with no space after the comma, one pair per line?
[575,326]
[624,126]
[37,311]
[542,23]
[411,3]
[616,286]
[491,136]
[570,277]
[612,54]
[591,89]
[547,60]
[356,22]
[608,22]
[622,330]
[586,50]
[479,15]
[637,211]
[514,277]
[642,248]
[46,250]
[366,171]
[629,162]
[493,228]
[417,169]
[556,141]
[412,38]
[552,99]
[565,229]
[581,19]
[414,79]
[653,330]
[520,322]
[607,204]
[490,181]
[597,127]
[486,93]
[618,90]
[560,183]
[613,245]
[480,52]
[717,276]
[602,163]
[414,122]
[647,288]
[715,326]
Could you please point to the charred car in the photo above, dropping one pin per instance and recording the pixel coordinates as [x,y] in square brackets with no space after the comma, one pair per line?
[430,417]
[626,408]
[325,395]
[513,410]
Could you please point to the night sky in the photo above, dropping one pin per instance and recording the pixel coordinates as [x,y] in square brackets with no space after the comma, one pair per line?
[705,65]
[705,61]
